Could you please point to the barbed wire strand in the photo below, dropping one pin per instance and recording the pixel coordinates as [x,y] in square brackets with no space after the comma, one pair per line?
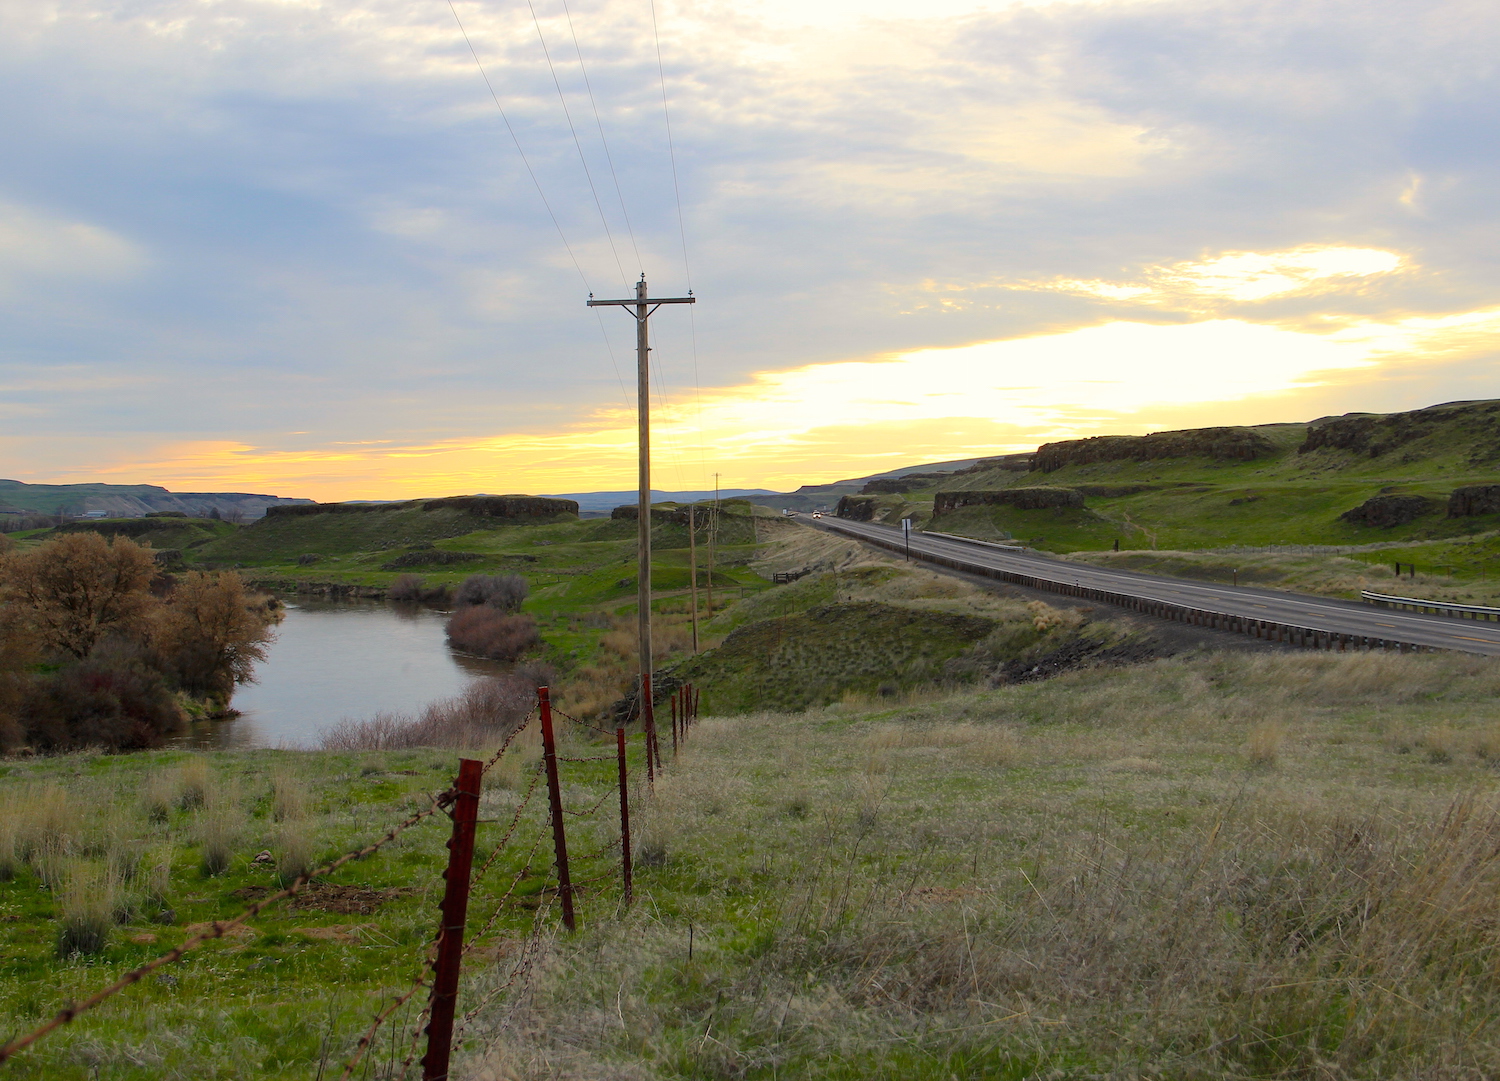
[523,966]
[514,823]
[520,876]
[219,928]
[505,745]
[368,1038]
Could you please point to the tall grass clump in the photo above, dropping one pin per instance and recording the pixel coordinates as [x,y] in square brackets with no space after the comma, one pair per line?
[295,851]
[1263,747]
[289,795]
[218,829]
[194,782]
[86,909]
[161,796]
[10,852]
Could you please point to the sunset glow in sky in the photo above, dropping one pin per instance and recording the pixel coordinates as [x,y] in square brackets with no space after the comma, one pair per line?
[290,246]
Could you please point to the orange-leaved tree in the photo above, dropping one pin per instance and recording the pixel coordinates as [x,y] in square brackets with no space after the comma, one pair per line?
[211,632]
[77,589]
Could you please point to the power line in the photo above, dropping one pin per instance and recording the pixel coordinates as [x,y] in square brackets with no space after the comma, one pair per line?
[624,278]
[542,194]
[681,232]
[629,230]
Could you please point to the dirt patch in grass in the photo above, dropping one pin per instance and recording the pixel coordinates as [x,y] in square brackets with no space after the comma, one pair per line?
[328,897]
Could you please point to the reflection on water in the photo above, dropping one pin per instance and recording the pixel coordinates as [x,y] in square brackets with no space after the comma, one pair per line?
[336,659]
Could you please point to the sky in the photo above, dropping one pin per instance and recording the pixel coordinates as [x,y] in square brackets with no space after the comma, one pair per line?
[336,250]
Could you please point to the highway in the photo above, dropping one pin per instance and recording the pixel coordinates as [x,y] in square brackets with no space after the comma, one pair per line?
[1299,610]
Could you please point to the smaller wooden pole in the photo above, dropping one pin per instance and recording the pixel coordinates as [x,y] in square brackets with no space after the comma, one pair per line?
[625,853]
[554,796]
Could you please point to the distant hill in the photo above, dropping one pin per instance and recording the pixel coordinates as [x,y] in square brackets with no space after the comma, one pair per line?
[1354,479]
[591,504]
[131,500]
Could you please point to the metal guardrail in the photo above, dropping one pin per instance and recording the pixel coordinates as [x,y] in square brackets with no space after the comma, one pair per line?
[1444,608]
[972,540]
[1268,629]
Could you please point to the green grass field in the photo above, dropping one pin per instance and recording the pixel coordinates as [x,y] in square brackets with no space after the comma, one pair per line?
[1216,866]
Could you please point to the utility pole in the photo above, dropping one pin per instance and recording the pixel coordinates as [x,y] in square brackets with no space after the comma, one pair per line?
[643,306]
[713,537]
[693,569]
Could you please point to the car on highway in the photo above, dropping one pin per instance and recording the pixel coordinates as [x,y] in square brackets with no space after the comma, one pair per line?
[817,514]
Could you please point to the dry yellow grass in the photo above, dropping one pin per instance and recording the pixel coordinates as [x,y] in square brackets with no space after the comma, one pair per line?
[1091,877]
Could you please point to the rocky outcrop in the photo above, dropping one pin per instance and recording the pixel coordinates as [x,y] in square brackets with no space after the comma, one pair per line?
[1464,426]
[703,513]
[1037,498]
[1386,511]
[516,508]
[1474,499]
[893,485]
[132,500]
[1219,443]
[856,508]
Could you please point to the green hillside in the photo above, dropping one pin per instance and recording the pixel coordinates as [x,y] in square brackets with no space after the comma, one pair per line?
[1278,484]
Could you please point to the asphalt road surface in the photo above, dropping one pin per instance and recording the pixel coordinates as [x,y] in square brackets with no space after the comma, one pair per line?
[1298,609]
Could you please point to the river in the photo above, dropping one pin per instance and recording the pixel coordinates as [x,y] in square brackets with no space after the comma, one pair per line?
[338,659]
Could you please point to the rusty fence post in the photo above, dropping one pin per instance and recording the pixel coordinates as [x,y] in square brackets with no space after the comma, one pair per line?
[625,854]
[455,912]
[554,796]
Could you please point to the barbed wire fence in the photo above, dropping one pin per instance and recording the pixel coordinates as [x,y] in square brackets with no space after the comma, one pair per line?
[439,969]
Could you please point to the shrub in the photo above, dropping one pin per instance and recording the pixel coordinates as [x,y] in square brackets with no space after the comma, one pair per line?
[116,702]
[504,592]
[488,632]
[487,711]
[413,589]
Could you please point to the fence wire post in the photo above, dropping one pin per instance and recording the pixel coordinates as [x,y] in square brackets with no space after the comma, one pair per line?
[648,714]
[675,696]
[554,795]
[455,912]
[625,855]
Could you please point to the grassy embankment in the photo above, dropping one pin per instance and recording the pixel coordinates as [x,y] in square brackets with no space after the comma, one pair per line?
[137,852]
[1206,867]
[1190,515]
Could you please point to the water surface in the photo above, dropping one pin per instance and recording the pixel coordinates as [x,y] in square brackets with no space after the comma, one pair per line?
[337,659]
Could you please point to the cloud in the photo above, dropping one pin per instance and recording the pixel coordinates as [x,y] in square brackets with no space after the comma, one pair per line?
[1240,276]
[37,250]
[303,217]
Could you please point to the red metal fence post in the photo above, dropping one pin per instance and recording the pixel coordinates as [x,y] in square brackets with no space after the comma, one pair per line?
[554,796]
[625,854]
[455,912]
